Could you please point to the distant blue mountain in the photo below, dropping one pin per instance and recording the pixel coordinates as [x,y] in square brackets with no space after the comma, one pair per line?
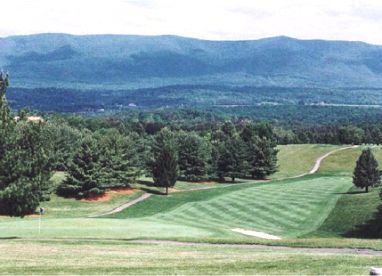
[125,61]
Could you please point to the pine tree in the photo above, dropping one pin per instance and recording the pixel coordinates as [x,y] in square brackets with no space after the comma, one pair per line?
[194,157]
[264,162]
[228,152]
[165,159]
[260,150]
[118,160]
[63,140]
[24,162]
[83,178]
[366,173]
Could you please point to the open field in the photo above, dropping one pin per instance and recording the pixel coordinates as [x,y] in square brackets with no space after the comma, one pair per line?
[319,210]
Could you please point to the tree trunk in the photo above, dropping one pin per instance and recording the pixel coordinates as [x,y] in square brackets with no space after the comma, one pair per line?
[233,179]
[367,189]
[166,190]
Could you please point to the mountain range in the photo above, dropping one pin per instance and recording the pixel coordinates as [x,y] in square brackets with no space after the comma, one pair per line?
[117,62]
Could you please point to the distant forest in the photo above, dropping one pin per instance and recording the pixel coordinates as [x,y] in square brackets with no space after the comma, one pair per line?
[306,106]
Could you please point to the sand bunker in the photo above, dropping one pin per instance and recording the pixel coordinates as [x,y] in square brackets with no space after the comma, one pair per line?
[256,234]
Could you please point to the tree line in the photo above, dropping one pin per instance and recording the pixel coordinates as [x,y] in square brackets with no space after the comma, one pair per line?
[108,159]
[99,154]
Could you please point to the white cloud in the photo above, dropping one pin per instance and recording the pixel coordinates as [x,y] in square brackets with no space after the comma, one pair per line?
[208,19]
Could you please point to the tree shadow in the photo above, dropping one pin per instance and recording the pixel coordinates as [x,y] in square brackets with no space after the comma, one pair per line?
[147,183]
[351,193]
[151,191]
[372,229]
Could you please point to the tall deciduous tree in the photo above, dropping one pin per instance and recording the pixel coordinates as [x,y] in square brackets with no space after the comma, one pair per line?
[165,159]
[366,173]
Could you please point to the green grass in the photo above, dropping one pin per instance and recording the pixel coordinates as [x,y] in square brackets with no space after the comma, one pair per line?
[353,210]
[116,257]
[147,184]
[288,208]
[298,159]
[59,207]
[311,211]
[343,162]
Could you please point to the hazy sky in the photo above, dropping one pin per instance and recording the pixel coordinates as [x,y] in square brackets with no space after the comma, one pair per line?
[207,19]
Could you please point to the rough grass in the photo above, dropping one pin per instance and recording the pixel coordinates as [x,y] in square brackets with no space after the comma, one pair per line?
[298,159]
[59,207]
[109,257]
[343,162]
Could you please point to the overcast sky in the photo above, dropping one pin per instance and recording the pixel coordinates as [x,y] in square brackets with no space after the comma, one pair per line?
[207,19]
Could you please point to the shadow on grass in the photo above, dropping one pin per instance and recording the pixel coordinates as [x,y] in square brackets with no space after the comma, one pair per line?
[151,191]
[351,193]
[372,229]
[147,183]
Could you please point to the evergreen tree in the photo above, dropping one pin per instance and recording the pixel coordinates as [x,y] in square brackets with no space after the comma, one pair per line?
[63,141]
[5,114]
[194,157]
[165,159]
[118,160]
[228,152]
[366,173]
[260,150]
[229,159]
[83,178]
[264,162]
[24,162]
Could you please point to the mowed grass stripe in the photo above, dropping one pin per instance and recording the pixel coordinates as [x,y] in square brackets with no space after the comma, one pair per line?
[288,209]
[299,209]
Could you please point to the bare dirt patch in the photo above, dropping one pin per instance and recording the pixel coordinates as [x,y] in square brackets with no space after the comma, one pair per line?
[122,191]
[98,198]
[109,195]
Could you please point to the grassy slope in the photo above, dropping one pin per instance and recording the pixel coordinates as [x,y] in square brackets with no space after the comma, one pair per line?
[288,208]
[298,159]
[343,162]
[295,207]
[117,257]
[354,209]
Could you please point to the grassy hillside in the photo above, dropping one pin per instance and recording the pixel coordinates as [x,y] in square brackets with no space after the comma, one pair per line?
[320,210]
[354,211]
[287,208]
[295,160]
[343,162]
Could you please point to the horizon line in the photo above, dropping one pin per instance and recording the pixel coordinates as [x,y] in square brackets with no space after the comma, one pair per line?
[188,37]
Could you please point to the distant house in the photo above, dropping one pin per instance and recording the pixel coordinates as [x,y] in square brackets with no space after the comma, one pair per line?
[31,119]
